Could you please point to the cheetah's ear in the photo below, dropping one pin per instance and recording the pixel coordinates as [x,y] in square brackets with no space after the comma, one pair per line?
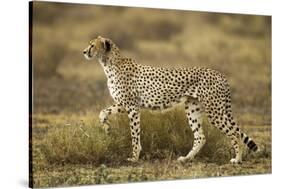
[106,45]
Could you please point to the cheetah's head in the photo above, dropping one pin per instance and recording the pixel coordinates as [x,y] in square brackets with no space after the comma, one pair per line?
[98,48]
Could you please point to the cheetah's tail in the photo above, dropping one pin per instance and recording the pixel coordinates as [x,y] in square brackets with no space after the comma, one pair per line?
[249,142]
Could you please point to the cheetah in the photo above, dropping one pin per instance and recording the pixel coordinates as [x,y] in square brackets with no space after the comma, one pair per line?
[134,86]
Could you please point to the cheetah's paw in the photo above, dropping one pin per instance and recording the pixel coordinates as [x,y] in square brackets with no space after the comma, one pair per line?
[132,159]
[235,161]
[106,127]
[183,159]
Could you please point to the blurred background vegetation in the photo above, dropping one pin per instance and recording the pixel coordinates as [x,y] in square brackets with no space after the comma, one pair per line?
[64,82]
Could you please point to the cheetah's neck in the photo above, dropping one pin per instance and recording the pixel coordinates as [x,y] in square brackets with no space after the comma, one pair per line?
[110,65]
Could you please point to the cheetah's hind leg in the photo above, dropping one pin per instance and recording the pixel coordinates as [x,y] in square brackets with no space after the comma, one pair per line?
[228,127]
[194,113]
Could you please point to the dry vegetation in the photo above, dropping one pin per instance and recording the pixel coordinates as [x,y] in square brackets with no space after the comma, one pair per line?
[68,146]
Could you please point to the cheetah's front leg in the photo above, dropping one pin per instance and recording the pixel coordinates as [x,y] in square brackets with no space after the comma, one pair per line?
[134,118]
[106,112]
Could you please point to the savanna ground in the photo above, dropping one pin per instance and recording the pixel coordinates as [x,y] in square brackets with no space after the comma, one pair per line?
[69,147]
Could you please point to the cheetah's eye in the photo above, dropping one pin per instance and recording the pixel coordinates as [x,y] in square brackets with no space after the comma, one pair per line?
[91,43]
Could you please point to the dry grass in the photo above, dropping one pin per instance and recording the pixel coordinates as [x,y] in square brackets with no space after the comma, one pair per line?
[67,151]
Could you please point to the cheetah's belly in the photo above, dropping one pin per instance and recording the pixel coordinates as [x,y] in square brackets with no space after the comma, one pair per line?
[161,104]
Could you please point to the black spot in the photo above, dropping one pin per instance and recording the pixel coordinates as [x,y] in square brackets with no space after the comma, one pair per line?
[251,144]
[246,140]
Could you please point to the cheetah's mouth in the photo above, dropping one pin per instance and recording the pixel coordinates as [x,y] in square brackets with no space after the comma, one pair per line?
[88,55]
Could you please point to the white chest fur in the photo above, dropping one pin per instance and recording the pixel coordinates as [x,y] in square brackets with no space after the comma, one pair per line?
[111,81]
[112,87]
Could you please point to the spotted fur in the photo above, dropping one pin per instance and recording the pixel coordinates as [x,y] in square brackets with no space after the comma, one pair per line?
[134,86]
